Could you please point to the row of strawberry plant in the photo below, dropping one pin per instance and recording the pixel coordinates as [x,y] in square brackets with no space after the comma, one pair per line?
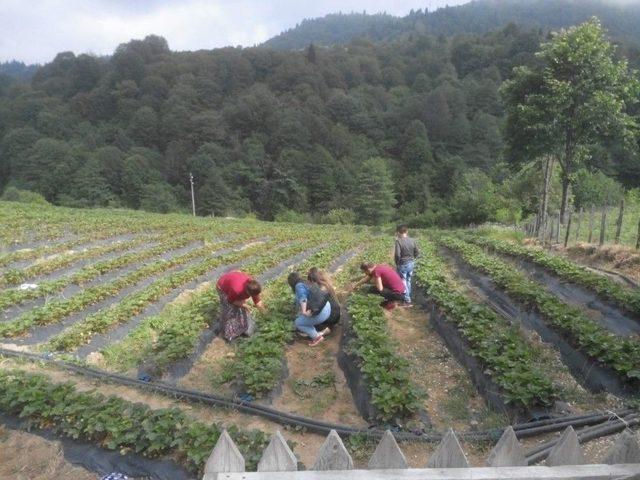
[28,222]
[620,354]
[627,298]
[54,311]
[386,373]
[173,334]
[16,276]
[506,356]
[258,363]
[34,253]
[168,242]
[117,424]
[133,304]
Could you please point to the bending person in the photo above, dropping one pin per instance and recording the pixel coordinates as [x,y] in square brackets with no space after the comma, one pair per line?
[386,282]
[314,305]
[234,289]
[323,280]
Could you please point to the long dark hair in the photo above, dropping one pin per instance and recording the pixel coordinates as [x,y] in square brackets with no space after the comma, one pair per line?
[293,279]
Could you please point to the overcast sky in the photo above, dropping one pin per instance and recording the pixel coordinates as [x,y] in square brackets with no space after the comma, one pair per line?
[35,30]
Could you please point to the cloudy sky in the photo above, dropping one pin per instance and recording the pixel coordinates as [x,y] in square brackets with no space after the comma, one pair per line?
[35,30]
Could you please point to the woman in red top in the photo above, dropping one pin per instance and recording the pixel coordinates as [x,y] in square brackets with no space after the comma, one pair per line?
[386,282]
[234,289]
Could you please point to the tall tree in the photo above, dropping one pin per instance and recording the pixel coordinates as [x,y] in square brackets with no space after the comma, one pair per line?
[374,200]
[577,96]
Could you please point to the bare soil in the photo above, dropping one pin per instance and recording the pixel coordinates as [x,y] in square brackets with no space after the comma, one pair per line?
[25,456]
[316,386]
[620,259]
[208,373]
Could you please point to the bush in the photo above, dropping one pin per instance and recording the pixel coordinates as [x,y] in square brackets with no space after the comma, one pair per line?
[291,216]
[340,216]
[13,194]
[159,198]
[508,215]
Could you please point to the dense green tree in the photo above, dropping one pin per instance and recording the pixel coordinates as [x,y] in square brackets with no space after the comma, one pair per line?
[143,127]
[321,181]
[46,167]
[475,198]
[578,95]
[274,134]
[595,189]
[158,197]
[374,200]
[88,187]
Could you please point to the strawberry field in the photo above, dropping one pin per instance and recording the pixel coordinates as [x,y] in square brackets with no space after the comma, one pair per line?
[500,333]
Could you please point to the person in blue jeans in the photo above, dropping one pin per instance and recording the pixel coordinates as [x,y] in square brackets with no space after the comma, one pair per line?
[406,253]
[308,298]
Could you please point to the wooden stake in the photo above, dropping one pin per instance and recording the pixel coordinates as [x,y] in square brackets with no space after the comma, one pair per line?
[603,225]
[579,223]
[619,222]
[566,236]
[638,240]
[592,214]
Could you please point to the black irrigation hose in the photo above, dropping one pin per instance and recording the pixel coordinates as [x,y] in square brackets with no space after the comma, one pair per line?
[561,425]
[609,428]
[296,421]
[555,420]
[548,445]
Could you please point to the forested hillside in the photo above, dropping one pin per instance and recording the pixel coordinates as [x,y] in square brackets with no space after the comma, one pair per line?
[367,132]
[478,16]
[17,70]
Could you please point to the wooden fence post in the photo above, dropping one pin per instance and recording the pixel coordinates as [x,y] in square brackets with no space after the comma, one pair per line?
[566,236]
[580,215]
[508,452]
[638,240]
[388,455]
[567,451]
[278,457]
[625,450]
[603,226]
[592,214]
[449,454]
[225,457]
[619,222]
[333,455]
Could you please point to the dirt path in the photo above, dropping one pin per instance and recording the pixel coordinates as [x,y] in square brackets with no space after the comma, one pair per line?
[24,456]
[450,398]
[316,386]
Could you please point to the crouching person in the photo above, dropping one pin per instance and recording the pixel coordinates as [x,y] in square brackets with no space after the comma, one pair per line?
[314,306]
[234,289]
[317,277]
[386,283]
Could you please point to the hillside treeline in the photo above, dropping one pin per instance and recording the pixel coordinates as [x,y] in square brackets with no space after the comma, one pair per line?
[364,132]
[622,20]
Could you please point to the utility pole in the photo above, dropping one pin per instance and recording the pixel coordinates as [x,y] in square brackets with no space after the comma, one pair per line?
[193,197]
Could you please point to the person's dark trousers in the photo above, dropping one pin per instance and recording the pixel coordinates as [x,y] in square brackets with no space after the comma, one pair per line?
[388,295]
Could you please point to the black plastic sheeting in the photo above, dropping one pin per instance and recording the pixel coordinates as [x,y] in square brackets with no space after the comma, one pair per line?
[104,461]
[349,363]
[459,348]
[607,314]
[588,372]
